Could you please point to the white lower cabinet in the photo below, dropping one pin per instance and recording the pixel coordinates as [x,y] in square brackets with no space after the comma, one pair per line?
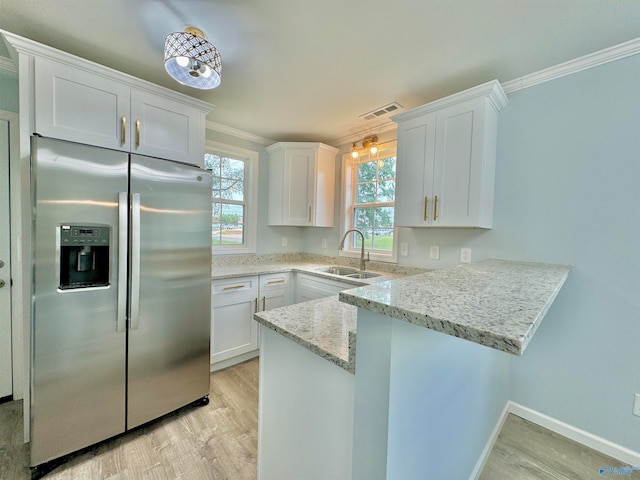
[234,332]
[311,287]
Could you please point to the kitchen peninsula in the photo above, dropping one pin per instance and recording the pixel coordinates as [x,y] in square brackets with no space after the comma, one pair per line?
[427,395]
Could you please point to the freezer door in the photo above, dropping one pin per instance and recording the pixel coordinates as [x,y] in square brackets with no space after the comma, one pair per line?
[78,344]
[170,304]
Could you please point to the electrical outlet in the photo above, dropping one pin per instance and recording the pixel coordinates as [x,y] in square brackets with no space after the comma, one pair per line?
[404,249]
[636,405]
[434,252]
[465,255]
[284,241]
[324,243]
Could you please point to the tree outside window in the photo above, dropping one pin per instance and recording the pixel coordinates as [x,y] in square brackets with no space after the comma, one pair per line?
[370,201]
[229,199]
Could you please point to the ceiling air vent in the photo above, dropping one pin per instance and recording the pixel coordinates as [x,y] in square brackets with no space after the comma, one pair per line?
[381,111]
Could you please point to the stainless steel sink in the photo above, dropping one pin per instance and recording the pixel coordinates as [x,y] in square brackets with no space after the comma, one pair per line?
[347,272]
[362,275]
[344,271]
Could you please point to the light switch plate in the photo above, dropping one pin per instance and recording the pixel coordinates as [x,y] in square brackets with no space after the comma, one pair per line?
[284,241]
[404,249]
[636,405]
[434,252]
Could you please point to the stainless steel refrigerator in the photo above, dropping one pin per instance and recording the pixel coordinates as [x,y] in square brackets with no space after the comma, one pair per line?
[121,293]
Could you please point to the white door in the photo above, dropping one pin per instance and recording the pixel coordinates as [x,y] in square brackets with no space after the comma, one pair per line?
[5,276]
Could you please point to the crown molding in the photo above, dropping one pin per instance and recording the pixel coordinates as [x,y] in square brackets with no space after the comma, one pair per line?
[218,127]
[611,54]
[7,65]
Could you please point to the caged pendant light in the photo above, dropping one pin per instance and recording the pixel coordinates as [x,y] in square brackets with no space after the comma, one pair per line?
[191,60]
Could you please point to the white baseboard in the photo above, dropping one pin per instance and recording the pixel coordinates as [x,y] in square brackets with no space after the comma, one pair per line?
[600,444]
[486,451]
[230,362]
[625,455]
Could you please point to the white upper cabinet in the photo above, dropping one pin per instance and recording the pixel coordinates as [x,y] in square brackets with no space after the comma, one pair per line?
[78,100]
[78,105]
[166,128]
[446,160]
[301,184]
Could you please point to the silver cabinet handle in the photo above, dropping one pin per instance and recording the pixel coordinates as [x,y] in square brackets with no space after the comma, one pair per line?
[123,234]
[134,319]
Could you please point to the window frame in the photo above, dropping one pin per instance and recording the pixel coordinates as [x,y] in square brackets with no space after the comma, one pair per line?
[250,222]
[349,181]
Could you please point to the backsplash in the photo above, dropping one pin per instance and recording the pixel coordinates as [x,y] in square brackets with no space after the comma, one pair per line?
[297,258]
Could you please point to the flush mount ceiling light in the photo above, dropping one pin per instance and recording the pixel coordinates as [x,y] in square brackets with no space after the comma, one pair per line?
[369,143]
[191,60]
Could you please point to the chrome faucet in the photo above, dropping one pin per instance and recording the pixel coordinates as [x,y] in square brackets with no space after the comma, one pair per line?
[362,259]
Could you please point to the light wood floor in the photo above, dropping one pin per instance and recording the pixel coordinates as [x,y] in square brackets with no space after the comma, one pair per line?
[219,442]
[526,451]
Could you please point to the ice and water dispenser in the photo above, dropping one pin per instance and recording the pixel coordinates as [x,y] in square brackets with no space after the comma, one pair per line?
[84,256]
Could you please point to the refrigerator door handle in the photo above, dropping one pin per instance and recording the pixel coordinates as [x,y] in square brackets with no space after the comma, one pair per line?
[135,261]
[123,238]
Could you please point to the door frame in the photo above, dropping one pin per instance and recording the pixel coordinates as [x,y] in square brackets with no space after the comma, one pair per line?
[19,374]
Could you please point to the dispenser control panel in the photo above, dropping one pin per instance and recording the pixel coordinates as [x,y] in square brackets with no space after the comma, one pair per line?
[77,235]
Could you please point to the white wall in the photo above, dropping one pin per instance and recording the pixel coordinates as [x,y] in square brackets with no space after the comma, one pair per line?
[568,191]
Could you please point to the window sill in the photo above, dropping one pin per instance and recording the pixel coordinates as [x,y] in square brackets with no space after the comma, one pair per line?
[232,251]
[374,257]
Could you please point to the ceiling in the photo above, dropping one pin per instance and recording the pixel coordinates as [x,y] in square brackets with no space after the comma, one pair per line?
[304,70]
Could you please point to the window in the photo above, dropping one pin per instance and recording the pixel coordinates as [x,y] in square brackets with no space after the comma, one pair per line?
[370,184]
[234,195]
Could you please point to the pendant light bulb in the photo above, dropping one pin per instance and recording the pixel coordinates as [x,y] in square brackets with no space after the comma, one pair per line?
[354,151]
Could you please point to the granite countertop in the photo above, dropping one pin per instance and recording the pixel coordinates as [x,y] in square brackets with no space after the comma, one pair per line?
[324,326]
[496,303]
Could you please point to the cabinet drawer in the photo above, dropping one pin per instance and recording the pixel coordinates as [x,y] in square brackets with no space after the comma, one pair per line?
[274,281]
[231,286]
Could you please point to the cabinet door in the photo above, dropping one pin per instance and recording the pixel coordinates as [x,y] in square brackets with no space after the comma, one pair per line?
[299,171]
[165,128]
[458,169]
[414,171]
[274,291]
[233,329]
[80,106]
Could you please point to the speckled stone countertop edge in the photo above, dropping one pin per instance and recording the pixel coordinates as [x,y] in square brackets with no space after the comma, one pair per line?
[272,319]
[348,365]
[504,341]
